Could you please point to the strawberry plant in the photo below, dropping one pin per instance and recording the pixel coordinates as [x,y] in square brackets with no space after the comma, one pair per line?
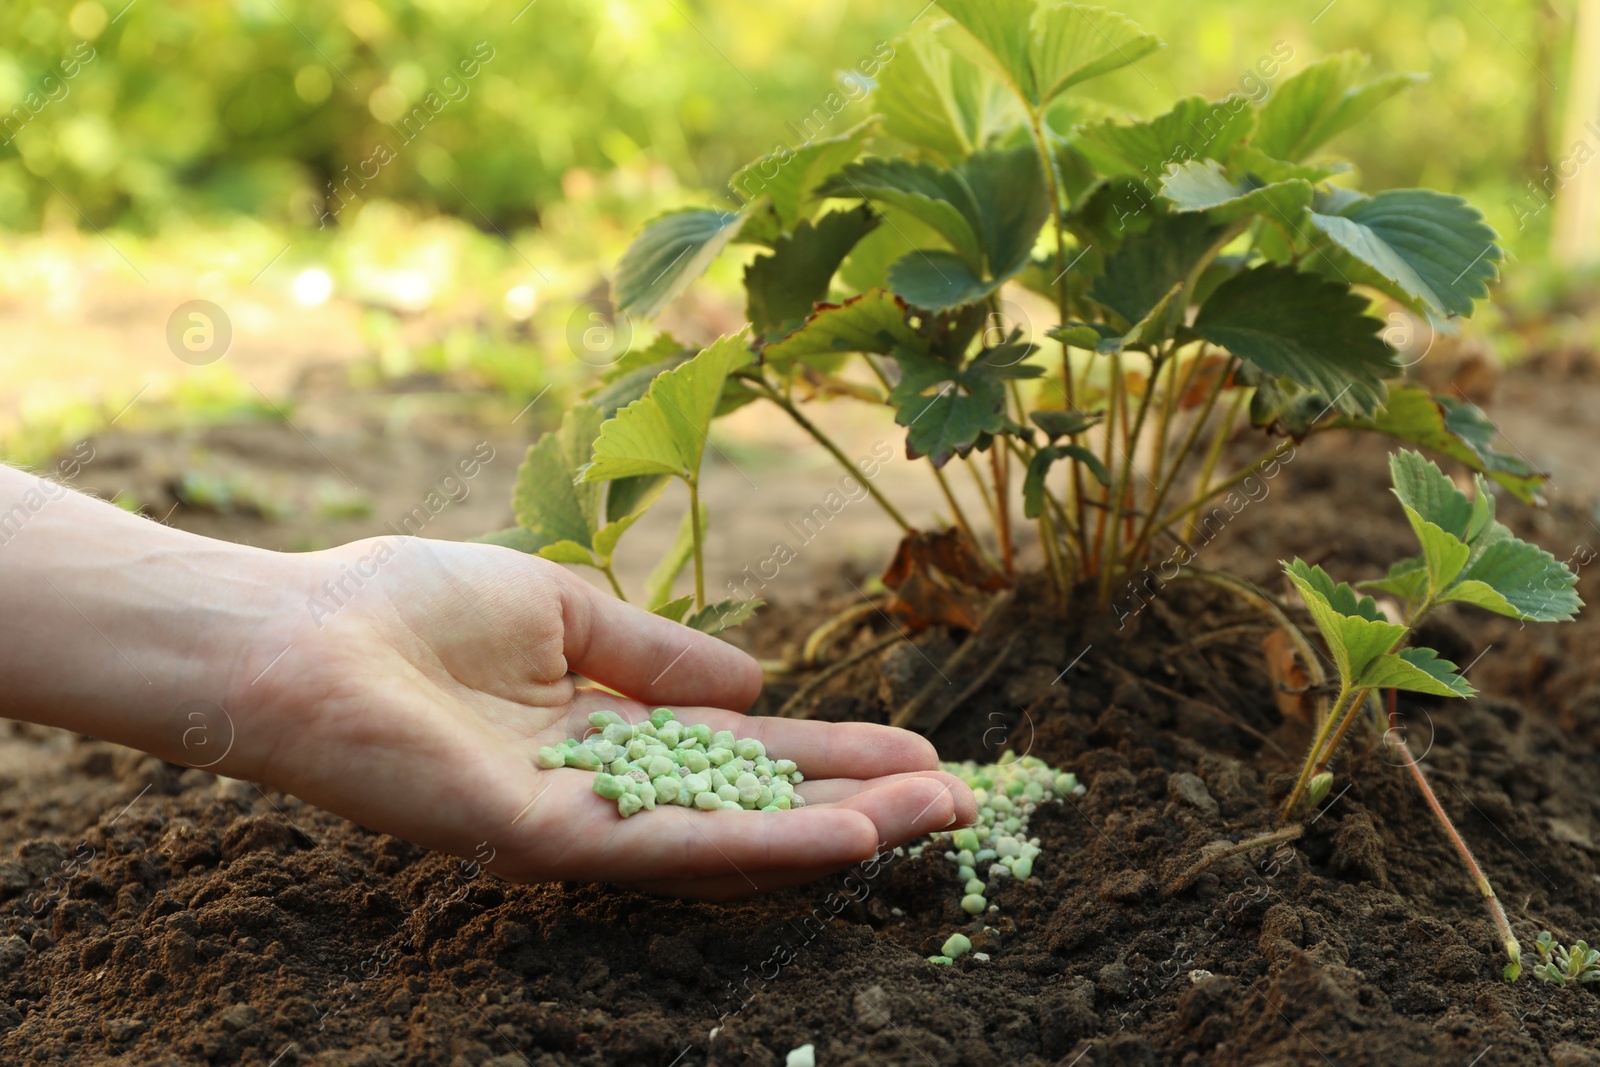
[1468,557]
[1207,268]
[1208,271]
[583,485]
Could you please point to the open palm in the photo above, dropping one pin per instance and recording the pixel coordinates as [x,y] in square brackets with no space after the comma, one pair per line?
[415,700]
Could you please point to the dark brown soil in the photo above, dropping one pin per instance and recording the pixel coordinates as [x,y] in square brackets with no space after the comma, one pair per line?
[161,916]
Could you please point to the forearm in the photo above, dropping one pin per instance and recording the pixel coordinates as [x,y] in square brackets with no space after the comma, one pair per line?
[118,627]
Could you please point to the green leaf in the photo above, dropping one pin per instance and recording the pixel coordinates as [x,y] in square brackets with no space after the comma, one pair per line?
[1009,190]
[1416,670]
[1443,554]
[675,609]
[518,537]
[941,102]
[1089,335]
[1059,424]
[1427,491]
[624,386]
[1249,159]
[673,251]
[989,208]
[936,196]
[937,280]
[1456,429]
[1042,51]
[1301,326]
[1321,101]
[633,496]
[658,587]
[568,552]
[1504,573]
[945,408]
[723,615]
[873,322]
[1039,469]
[1073,44]
[783,286]
[1205,186]
[1355,633]
[546,499]
[1144,270]
[1515,578]
[1407,580]
[1429,249]
[790,178]
[1194,129]
[664,432]
[606,538]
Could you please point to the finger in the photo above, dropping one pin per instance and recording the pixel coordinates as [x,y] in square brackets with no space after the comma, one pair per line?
[838,790]
[673,843]
[650,657]
[822,749]
[759,846]
[902,810]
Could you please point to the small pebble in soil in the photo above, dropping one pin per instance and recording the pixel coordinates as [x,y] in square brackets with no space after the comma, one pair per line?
[997,849]
[804,1056]
[663,761]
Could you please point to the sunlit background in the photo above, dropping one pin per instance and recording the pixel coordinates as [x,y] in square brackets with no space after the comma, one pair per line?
[429,196]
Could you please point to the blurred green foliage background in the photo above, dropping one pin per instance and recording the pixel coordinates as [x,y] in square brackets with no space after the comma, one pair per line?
[462,175]
[179,109]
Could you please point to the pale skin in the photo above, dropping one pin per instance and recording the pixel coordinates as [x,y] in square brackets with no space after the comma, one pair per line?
[411,693]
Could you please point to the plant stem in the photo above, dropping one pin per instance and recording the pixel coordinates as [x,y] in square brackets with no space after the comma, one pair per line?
[1320,756]
[1169,402]
[1214,453]
[1132,444]
[1053,190]
[1507,938]
[983,490]
[1341,707]
[699,545]
[955,507]
[1256,466]
[837,453]
[1097,558]
[1000,460]
[616,586]
[1150,523]
[1052,181]
[1052,554]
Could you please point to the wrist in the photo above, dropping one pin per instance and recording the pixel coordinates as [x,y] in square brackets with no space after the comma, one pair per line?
[125,629]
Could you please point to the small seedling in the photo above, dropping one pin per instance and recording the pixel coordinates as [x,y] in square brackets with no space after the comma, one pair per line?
[1467,557]
[664,761]
[1560,965]
[582,486]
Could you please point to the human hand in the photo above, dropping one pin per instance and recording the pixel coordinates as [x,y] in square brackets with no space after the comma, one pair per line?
[414,700]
